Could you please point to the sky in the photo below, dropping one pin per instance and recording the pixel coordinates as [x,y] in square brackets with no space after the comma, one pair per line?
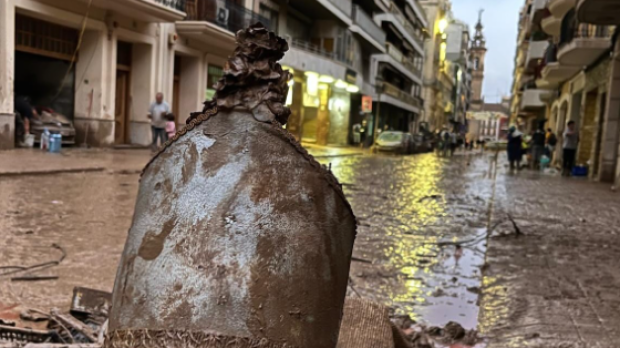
[500,19]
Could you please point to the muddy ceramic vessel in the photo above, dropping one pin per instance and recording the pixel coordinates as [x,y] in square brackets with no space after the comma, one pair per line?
[239,237]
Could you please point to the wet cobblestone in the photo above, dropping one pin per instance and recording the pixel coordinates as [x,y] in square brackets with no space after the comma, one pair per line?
[557,284]
[421,246]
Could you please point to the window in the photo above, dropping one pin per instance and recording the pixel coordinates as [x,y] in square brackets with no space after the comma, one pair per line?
[476,63]
[271,15]
[214,73]
[44,38]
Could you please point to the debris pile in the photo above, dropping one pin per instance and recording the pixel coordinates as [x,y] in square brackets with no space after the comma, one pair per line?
[368,325]
[84,325]
[421,336]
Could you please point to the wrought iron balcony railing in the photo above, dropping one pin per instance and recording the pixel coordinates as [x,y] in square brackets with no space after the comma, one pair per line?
[225,14]
[312,48]
[394,91]
[576,30]
[178,5]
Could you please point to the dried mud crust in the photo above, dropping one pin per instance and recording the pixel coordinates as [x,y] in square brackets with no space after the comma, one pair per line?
[143,338]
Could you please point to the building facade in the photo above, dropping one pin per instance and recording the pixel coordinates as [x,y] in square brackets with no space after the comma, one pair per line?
[489,123]
[565,69]
[458,54]
[100,63]
[438,80]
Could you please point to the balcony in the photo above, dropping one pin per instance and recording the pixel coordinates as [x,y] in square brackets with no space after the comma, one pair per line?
[154,11]
[343,5]
[404,26]
[582,44]
[601,12]
[552,25]
[216,24]
[539,11]
[314,49]
[226,15]
[391,94]
[554,73]
[533,99]
[400,62]
[367,29]
[419,12]
[559,8]
[535,54]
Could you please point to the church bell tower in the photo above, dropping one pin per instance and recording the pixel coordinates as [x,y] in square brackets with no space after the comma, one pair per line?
[478,51]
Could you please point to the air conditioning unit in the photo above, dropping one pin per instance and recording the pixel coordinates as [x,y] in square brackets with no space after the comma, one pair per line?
[222,16]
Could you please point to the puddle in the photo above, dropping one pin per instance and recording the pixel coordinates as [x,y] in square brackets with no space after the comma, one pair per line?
[413,211]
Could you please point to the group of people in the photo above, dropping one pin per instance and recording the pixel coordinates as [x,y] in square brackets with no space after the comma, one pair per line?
[163,125]
[540,147]
[447,142]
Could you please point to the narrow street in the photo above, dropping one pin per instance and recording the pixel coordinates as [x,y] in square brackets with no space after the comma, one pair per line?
[421,246]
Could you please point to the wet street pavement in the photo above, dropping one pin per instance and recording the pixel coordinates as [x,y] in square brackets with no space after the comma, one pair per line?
[422,246]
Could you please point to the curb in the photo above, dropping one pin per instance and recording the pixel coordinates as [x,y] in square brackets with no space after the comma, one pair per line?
[344,155]
[52,171]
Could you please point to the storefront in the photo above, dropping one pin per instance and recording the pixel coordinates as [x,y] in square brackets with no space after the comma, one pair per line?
[320,108]
[43,69]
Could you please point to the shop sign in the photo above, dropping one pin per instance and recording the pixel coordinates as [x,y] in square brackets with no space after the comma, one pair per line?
[350,76]
[366,103]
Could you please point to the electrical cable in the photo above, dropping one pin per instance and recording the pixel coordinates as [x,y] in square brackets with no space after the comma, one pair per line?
[75,52]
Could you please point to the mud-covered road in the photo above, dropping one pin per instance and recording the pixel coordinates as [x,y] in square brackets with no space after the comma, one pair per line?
[421,246]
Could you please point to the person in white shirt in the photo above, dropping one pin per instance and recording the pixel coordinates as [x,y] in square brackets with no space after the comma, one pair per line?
[157,113]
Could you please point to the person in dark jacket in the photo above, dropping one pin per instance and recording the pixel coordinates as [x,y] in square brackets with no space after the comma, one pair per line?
[515,139]
[538,145]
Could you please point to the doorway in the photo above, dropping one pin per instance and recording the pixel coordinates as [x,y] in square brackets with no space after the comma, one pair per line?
[122,108]
[176,88]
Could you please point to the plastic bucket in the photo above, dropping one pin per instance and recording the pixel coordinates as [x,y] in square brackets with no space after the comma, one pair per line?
[55,143]
[580,171]
[29,140]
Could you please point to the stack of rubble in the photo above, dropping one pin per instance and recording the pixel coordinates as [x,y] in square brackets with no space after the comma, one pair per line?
[368,325]
[83,326]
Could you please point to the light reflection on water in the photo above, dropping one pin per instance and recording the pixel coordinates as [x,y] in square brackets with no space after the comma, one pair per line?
[406,206]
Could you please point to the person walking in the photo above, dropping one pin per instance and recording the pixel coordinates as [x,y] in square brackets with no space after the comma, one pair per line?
[571,142]
[445,143]
[453,143]
[514,148]
[538,146]
[550,142]
[157,113]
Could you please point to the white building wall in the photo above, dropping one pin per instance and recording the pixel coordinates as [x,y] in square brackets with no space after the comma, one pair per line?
[152,68]
[7,64]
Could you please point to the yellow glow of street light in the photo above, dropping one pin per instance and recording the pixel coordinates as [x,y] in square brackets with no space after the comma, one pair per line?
[353,89]
[443,24]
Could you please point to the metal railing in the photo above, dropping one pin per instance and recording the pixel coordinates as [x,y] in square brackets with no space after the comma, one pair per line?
[367,24]
[178,5]
[391,90]
[227,14]
[394,52]
[407,61]
[344,5]
[312,48]
[578,30]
